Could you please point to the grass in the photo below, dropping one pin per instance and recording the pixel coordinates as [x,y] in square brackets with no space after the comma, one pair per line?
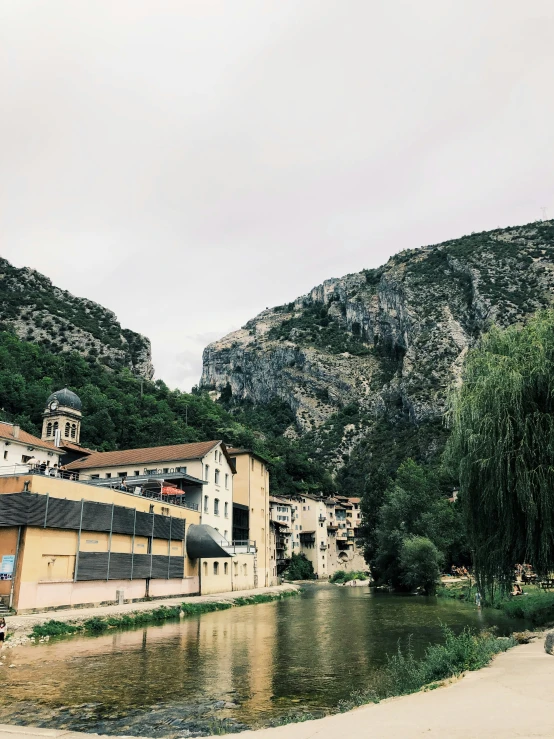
[404,674]
[536,606]
[99,624]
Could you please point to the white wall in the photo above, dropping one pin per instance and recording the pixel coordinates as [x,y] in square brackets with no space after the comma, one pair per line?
[11,453]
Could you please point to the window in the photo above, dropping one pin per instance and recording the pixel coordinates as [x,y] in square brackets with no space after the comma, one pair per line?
[226,481]
[73,430]
[226,568]
[216,477]
[122,474]
[48,430]
[165,511]
[226,534]
[108,475]
[207,472]
[216,506]
[166,470]
[245,569]
[5,455]
[136,473]
[25,458]
[236,568]
[55,427]
[205,504]
[95,477]
[226,509]
[67,427]
[206,568]
[252,460]
[216,568]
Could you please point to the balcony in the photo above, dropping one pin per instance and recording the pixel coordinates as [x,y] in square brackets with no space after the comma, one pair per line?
[323,546]
[322,518]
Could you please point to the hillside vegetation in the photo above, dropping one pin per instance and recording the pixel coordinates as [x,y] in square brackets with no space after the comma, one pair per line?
[120,411]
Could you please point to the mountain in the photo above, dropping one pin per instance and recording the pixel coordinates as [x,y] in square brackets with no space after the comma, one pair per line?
[40,313]
[365,361]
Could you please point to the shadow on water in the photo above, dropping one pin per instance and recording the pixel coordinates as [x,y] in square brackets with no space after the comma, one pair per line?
[247,666]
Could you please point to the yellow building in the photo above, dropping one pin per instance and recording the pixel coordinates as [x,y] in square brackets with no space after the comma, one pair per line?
[251,510]
[65,543]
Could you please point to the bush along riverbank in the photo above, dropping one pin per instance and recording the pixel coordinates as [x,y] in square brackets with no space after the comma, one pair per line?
[404,673]
[100,624]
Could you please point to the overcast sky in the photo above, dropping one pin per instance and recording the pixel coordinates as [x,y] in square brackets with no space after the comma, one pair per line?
[188,163]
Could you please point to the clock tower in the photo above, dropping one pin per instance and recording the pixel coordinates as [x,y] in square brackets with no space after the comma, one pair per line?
[62,418]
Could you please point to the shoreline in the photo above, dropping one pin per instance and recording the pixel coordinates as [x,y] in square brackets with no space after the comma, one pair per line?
[102,618]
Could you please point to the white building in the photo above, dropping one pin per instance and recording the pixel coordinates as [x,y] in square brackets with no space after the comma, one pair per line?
[22,451]
[207,461]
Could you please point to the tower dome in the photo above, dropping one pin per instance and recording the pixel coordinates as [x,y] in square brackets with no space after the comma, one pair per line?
[66,398]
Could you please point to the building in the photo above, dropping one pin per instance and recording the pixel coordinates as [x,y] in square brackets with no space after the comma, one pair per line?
[251,509]
[325,530]
[22,451]
[66,543]
[281,517]
[207,461]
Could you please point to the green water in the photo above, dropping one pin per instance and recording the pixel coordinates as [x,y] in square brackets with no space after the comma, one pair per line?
[300,654]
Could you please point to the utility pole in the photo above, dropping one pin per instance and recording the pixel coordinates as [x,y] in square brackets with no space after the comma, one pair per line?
[543,209]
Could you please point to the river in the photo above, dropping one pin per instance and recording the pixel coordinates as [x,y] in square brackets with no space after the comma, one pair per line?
[247,666]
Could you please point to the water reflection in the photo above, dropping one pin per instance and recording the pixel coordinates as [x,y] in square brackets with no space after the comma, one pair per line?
[307,652]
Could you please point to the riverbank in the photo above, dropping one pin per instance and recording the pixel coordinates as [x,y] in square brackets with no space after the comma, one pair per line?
[129,614]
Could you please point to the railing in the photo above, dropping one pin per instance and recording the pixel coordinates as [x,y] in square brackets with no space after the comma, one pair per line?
[247,544]
[322,518]
[112,484]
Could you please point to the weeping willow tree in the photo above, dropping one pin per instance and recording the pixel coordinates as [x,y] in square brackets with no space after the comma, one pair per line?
[502,443]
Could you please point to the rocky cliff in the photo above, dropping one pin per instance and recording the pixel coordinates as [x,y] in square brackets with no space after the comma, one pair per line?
[386,342]
[43,314]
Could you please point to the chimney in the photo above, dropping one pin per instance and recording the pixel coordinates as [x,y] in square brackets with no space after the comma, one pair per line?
[16,430]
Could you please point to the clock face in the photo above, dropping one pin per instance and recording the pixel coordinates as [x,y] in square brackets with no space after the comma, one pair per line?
[54,405]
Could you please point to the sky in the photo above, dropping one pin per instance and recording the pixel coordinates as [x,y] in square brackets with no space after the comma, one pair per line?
[188,164]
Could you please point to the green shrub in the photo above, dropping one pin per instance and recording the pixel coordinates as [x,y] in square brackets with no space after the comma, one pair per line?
[300,568]
[54,628]
[420,562]
[341,576]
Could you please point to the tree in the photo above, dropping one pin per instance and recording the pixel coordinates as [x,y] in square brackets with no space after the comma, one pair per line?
[502,448]
[415,504]
[300,568]
[420,563]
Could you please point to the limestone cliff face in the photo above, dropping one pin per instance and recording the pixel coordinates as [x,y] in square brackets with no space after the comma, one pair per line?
[391,340]
[41,313]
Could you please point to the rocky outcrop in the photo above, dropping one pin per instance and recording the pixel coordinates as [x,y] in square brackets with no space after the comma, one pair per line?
[390,340]
[41,313]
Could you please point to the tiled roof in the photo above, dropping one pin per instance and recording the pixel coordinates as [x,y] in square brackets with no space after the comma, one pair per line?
[75,447]
[171,453]
[6,432]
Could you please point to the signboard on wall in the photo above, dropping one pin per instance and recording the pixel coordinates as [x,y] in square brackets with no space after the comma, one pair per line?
[6,567]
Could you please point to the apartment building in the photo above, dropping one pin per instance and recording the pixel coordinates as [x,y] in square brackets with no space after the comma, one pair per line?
[325,530]
[280,529]
[207,462]
[251,509]
[22,451]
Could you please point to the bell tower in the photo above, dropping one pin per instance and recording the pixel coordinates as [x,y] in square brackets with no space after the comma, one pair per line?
[62,418]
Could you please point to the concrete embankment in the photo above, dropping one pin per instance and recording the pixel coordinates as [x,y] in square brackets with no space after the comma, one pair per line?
[23,624]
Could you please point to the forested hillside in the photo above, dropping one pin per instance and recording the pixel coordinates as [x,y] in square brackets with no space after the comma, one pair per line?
[122,411]
[39,312]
